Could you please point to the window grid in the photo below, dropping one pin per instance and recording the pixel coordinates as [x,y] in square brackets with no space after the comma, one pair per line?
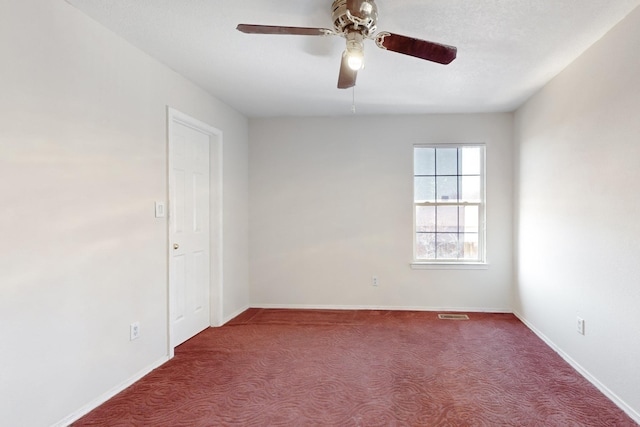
[451,242]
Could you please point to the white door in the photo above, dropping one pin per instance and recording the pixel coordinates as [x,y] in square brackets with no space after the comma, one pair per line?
[189,234]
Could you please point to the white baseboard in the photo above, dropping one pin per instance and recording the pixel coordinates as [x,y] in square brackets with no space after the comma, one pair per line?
[234,314]
[76,415]
[582,371]
[381,307]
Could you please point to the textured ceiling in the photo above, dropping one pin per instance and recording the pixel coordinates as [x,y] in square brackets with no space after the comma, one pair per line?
[507,50]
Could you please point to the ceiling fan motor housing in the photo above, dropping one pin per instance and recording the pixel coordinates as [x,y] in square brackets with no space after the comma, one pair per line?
[358,15]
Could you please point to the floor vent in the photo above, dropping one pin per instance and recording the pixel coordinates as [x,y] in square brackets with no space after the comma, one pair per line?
[453,316]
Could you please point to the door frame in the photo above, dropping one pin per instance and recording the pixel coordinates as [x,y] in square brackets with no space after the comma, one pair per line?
[215,217]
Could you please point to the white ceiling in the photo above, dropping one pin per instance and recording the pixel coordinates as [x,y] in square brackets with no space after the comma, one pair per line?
[507,50]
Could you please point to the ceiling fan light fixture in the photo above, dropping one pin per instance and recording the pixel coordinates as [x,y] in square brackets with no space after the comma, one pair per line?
[355,59]
[355,50]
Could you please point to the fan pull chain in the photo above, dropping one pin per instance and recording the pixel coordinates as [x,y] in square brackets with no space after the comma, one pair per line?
[353,99]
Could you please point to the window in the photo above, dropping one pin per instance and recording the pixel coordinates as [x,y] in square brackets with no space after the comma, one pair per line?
[449,203]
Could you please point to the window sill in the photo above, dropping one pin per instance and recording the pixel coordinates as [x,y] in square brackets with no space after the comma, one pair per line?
[449,265]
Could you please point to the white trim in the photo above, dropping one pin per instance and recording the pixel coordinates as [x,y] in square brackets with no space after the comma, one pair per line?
[449,266]
[382,307]
[234,314]
[448,144]
[482,205]
[84,410]
[216,214]
[582,371]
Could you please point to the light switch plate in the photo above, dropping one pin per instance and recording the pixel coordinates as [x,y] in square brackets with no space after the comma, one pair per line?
[160,209]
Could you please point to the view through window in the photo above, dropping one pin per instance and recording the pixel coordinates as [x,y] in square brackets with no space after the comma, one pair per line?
[449,203]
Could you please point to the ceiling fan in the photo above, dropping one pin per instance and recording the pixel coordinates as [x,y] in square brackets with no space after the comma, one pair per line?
[355,20]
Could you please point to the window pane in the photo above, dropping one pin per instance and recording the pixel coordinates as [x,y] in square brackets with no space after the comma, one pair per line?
[425,218]
[425,245]
[469,219]
[447,246]
[446,161]
[447,219]
[424,161]
[470,160]
[424,189]
[450,179]
[470,188]
[469,246]
[447,188]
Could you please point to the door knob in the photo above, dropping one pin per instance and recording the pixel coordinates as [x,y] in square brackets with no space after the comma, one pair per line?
[176,246]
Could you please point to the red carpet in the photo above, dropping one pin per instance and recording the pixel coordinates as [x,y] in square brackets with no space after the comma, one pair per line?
[362,368]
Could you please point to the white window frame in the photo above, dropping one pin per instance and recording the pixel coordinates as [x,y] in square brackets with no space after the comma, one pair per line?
[481,261]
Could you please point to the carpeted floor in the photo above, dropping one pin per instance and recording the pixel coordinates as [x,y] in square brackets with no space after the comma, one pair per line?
[362,368]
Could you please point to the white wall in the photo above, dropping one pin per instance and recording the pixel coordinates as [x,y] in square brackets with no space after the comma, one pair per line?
[331,204]
[82,160]
[578,225]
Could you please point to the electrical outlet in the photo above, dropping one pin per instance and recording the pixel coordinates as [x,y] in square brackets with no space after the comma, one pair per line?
[580,325]
[374,281]
[134,331]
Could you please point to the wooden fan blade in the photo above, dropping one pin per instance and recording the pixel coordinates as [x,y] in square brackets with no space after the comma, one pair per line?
[276,29]
[347,77]
[435,52]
